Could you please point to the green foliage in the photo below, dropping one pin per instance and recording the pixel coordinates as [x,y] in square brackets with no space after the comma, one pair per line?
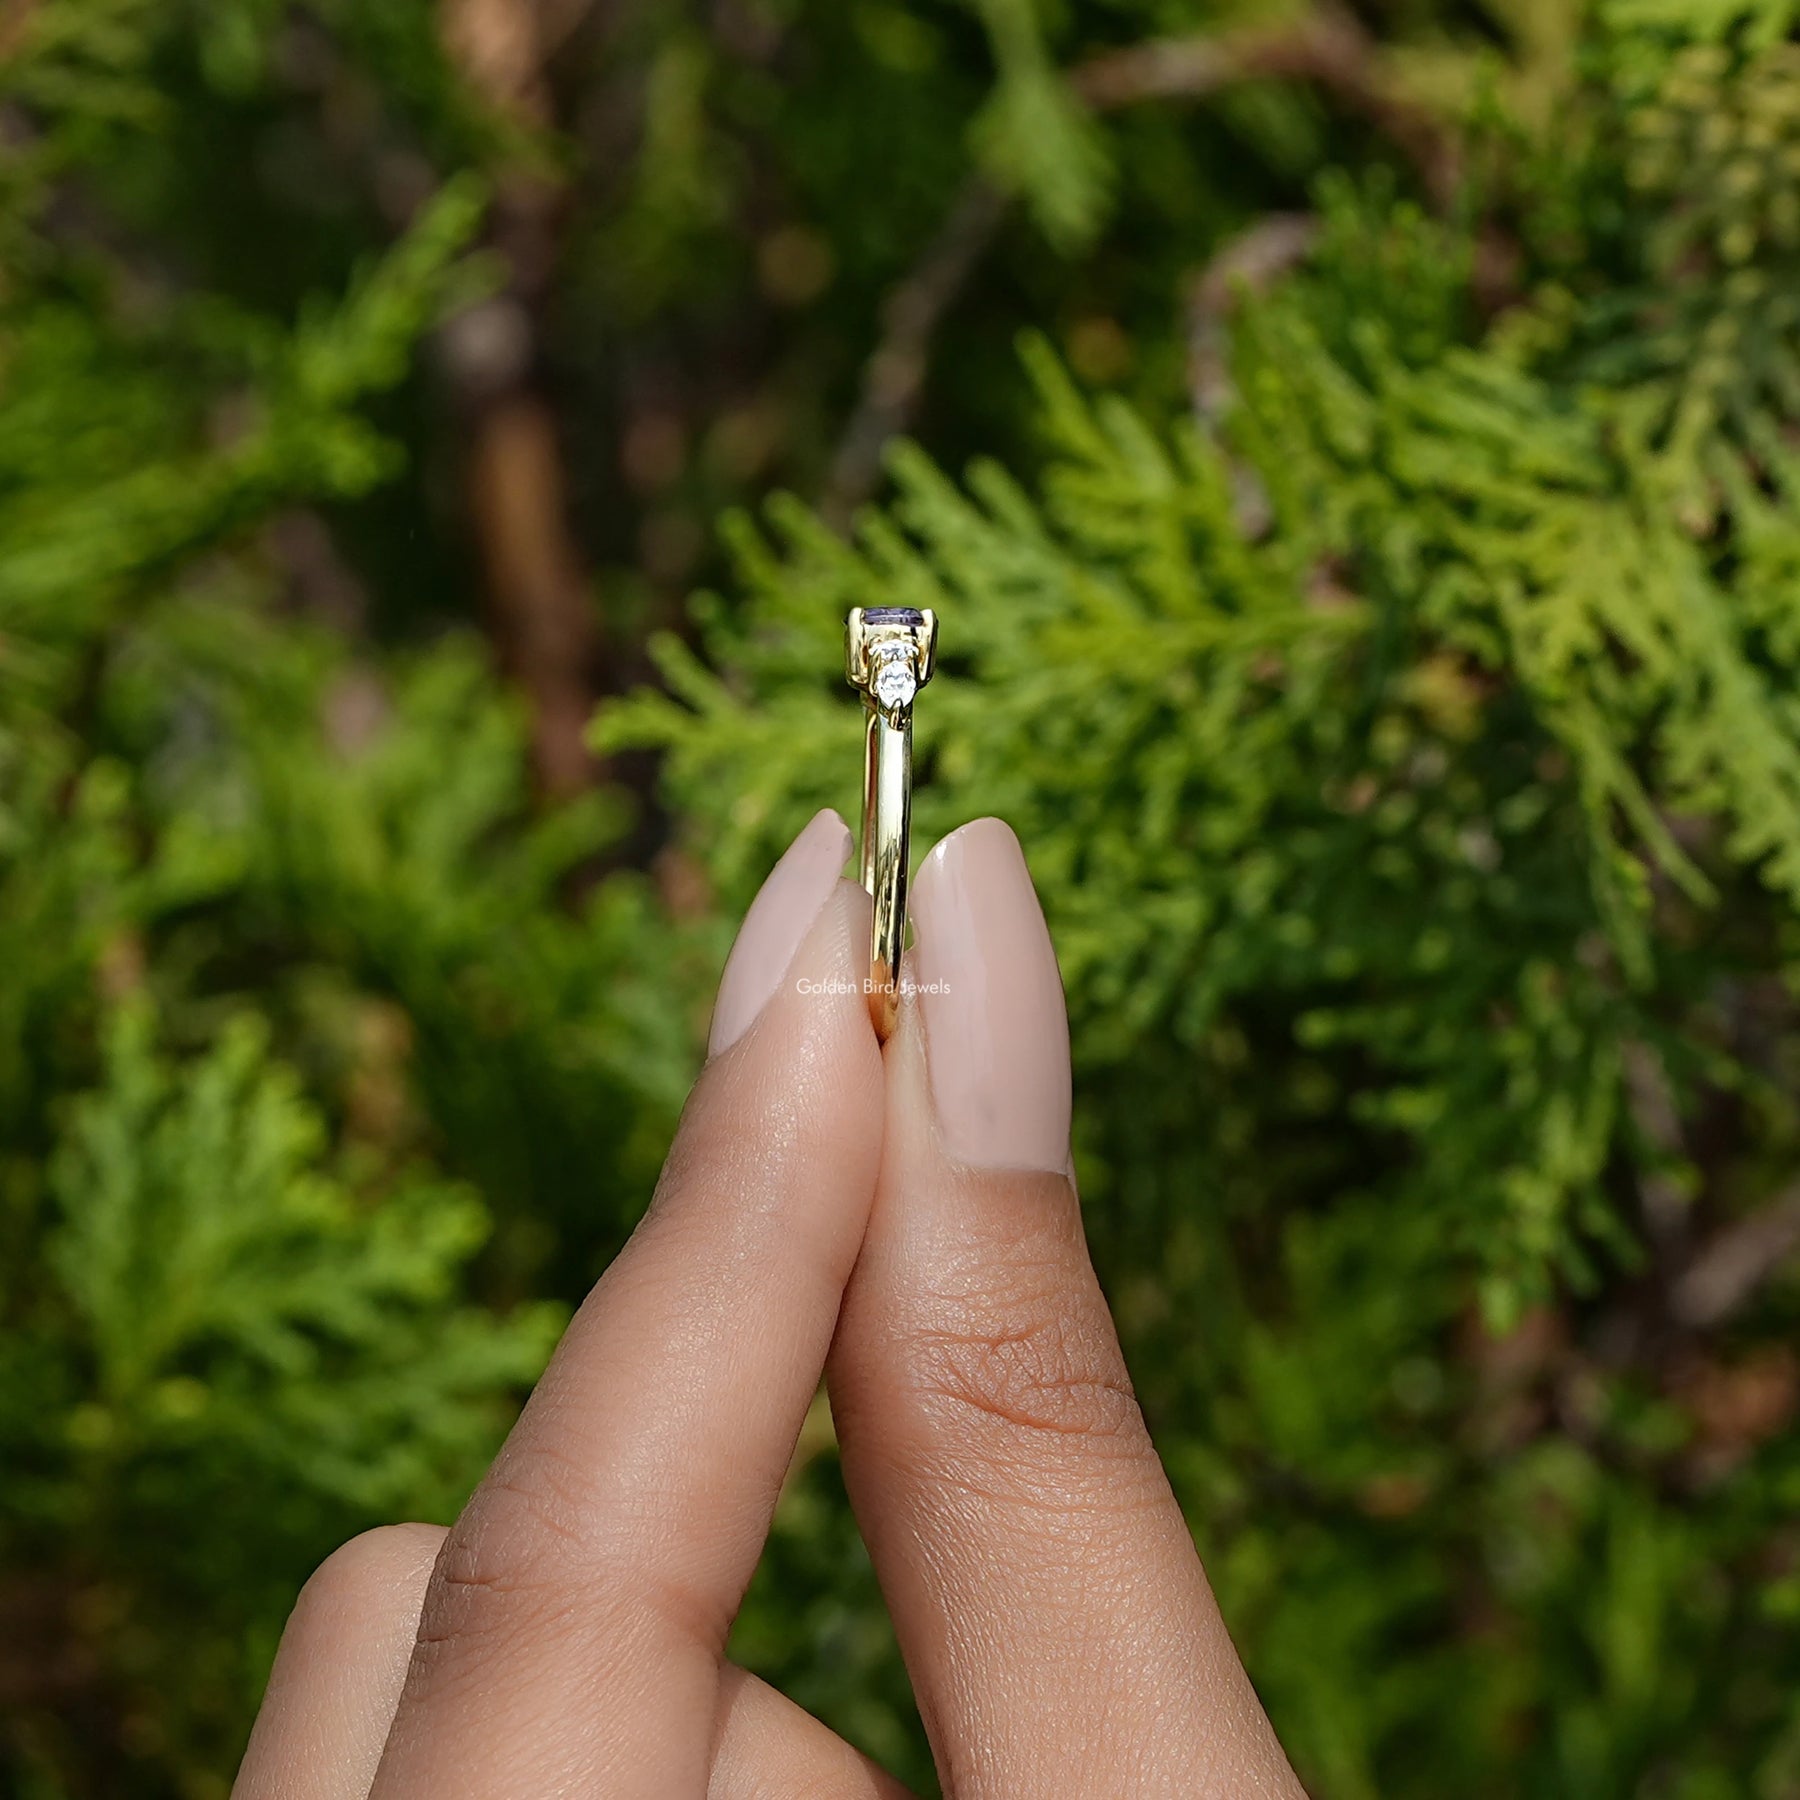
[1405,745]
[1033,133]
[1410,766]
[222,1325]
[74,548]
[321,1053]
[237,1286]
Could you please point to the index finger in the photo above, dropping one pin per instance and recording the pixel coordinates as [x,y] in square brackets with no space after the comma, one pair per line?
[573,1632]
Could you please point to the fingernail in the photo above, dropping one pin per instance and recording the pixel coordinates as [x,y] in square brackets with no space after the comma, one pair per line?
[775,926]
[996,1034]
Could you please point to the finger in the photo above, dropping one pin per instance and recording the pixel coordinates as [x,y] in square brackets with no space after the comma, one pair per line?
[343,1657]
[573,1633]
[771,1749]
[1058,1627]
[337,1676]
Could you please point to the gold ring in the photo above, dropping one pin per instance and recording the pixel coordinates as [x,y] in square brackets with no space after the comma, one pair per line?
[888,655]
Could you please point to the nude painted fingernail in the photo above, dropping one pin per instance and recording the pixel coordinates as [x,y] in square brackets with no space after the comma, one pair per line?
[996,1034]
[775,926]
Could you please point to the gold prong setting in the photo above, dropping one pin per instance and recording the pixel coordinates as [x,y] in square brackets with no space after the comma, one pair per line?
[889,652]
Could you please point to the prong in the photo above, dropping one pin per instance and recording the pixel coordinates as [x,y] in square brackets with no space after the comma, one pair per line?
[875,638]
[855,663]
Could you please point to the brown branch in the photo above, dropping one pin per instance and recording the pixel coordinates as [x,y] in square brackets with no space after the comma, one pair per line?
[1653,1111]
[15,21]
[1328,48]
[894,378]
[538,585]
[499,48]
[1713,1280]
[545,624]
[1251,262]
[558,23]
[1728,1272]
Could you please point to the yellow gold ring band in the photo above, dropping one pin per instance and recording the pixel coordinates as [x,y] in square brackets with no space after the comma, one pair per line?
[888,656]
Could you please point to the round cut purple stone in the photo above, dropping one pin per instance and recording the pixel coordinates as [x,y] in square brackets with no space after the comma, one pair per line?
[893,615]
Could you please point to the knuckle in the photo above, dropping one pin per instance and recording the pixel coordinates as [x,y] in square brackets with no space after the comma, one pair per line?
[522,1520]
[507,1557]
[536,1551]
[1027,1372]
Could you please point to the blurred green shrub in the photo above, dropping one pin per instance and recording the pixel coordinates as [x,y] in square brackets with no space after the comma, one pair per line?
[291,986]
[225,1329]
[1405,744]
[297,978]
[1408,755]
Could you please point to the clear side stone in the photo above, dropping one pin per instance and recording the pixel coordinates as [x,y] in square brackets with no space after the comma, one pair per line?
[893,676]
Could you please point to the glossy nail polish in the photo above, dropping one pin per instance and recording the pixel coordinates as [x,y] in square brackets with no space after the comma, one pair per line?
[775,926]
[991,999]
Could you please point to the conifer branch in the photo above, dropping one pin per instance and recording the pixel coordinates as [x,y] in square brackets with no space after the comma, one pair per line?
[1328,47]
[1253,260]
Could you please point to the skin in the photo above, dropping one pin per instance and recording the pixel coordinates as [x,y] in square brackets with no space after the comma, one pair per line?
[566,1635]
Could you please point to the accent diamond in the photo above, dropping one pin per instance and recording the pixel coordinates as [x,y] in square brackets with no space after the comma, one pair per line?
[894,676]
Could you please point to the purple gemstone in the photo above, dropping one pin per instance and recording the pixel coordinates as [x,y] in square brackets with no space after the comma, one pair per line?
[893,615]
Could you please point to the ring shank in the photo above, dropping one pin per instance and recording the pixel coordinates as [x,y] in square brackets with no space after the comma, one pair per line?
[887,821]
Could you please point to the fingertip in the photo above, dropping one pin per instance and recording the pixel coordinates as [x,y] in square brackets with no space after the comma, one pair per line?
[385,1560]
[804,1080]
[340,1668]
[989,830]
[776,925]
[990,1004]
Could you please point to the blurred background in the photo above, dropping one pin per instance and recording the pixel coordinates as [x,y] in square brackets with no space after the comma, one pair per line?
[1353,450]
